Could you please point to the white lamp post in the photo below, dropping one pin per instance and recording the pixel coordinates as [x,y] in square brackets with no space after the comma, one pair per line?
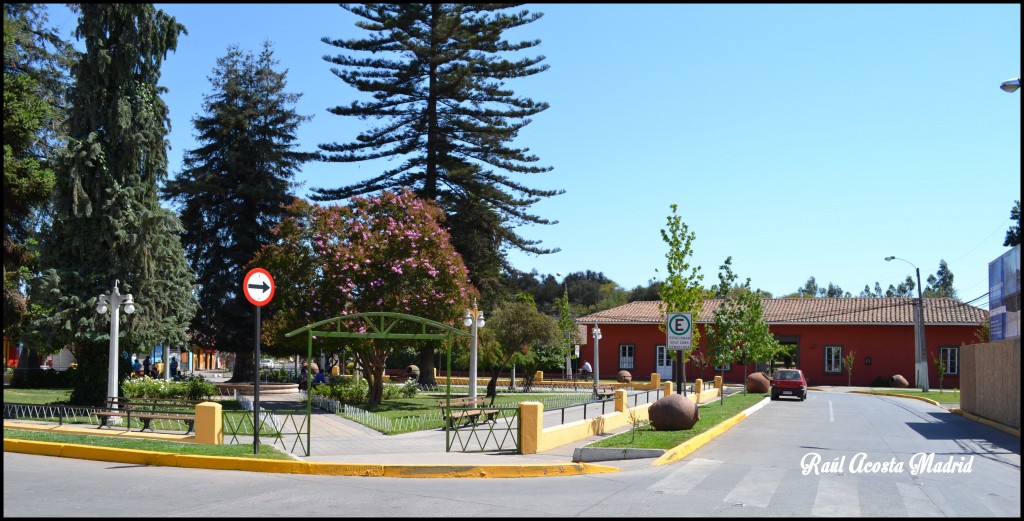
[1010,85]
[113,303]
[597,355]
[920,348]
[474,319]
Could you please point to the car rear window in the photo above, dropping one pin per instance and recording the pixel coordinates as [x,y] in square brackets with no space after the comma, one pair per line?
[788,375]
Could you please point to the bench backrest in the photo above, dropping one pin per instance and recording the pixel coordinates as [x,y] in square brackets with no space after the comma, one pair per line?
[465,402]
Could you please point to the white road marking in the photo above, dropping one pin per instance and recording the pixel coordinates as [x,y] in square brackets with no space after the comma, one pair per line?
[756,488]
[917,503]
[836,497]
[682,481]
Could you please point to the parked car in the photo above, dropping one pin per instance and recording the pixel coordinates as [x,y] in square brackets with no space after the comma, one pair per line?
[789,382]
[267,363]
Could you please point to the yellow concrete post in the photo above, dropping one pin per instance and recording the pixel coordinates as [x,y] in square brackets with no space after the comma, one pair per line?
[698,384]
[655,380]
[668,388]
[538,376]
[620,400]
[531,423]
[209,427]
[718,383]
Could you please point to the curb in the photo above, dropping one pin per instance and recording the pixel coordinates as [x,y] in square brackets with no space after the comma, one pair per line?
[921,398]
[684,449]
[592,454]
[142,457]
[985,421]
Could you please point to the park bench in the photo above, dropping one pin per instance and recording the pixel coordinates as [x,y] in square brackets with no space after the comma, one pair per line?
[148,409]
[466,410]
[603,393]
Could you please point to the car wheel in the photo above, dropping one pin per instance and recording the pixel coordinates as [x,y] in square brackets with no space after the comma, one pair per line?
[775,396]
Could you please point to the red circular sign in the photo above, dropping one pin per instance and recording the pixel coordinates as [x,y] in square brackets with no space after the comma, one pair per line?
[258,286]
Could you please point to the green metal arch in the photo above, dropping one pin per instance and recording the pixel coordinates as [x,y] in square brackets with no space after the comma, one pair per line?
[380,324]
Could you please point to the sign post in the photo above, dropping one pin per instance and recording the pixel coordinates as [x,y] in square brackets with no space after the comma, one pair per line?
[258,287]
[679,332]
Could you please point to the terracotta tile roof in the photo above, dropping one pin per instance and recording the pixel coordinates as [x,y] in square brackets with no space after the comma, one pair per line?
[897,310]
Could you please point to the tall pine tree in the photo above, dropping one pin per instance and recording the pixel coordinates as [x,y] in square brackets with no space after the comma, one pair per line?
[35,79]
[108,224]
[233,191]
[437,74]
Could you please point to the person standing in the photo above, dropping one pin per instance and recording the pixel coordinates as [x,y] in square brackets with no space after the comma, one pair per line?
[145,366]
[174,366]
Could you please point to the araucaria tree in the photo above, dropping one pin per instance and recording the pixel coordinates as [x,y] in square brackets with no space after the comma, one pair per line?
[108,224]
[436,75]
[383,253]
[682,290]
[233,191]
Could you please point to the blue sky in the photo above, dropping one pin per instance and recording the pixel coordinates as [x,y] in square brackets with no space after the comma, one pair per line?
[802,140]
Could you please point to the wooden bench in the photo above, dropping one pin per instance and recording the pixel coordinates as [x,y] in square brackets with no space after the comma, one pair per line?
[148,409]
[398,375]
[468,412]
[603,393]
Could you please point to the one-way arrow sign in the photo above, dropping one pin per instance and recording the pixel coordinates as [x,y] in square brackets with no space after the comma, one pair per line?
[258,286]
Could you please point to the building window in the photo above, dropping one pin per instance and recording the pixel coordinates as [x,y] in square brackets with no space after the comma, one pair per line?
[727,367]
[626,356]
[833,359]
[951,356]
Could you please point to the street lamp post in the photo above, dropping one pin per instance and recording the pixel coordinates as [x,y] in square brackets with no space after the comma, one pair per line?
[113,303]
[920,348]
[597,355]
[474,319]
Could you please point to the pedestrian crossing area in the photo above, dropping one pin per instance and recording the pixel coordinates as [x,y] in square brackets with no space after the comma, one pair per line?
[707,485]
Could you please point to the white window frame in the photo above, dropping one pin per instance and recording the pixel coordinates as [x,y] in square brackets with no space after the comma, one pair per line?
[727,368]
[833,359]
[950,355]
[627,356]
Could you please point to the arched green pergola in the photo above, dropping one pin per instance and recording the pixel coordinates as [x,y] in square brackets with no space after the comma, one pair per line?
[379,325]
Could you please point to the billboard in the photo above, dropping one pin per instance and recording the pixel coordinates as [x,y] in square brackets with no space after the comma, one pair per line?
[1004,295]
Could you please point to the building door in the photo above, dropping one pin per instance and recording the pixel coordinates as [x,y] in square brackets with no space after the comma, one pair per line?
[663,363]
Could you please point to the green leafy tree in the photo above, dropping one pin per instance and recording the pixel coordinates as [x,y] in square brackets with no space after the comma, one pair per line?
[383,253]
[36,62]
[1013,233]
[940,284]
[436,74]
[681,291]
[107,222]
[567,325]
[518,328]
[702,362]
[726,279]
[758,343]
[233,190]
[848,362]
[940,368]
[724,334]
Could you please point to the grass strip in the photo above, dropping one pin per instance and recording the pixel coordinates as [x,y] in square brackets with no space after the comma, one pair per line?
[645,437]
[267,452]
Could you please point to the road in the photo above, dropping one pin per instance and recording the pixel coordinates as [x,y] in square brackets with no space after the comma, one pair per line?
[867,445]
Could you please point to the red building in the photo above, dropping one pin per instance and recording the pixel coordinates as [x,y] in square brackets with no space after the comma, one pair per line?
[820,331]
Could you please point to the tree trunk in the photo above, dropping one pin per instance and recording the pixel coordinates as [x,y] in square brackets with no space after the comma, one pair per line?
[244,370]
[426,365]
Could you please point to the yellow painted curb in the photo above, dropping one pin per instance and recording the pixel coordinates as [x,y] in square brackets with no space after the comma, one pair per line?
[141,457]
[985,421]
[684,449]
[922,398]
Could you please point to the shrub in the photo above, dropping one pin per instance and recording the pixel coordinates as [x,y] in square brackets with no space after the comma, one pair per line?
[187,388]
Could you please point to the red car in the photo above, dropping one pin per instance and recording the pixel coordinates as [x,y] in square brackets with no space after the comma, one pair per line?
[789,382]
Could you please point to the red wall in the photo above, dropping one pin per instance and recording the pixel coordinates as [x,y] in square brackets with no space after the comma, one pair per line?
[891,348]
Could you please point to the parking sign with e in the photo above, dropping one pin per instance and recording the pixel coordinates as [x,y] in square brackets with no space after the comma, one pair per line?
[679,331]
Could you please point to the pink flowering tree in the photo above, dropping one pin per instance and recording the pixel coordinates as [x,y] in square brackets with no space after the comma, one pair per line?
[385,253]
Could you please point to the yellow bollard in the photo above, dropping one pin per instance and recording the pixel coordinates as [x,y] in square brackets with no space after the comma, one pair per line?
[209,426]
[718,383]
[531,422]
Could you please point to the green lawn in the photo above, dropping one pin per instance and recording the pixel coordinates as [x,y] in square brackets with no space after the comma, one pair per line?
[36,396]
[946,396]
[235,451]
[711,415]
